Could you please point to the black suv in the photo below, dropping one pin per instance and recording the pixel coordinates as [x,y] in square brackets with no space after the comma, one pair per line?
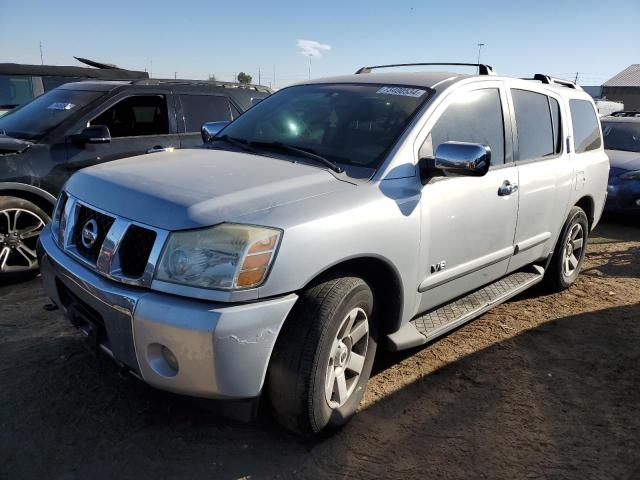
[84,123]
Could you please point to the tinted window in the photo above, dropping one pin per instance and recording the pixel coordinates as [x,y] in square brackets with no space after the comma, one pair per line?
[533,121]
[586,135]
[33,120]
[557,126]
[474,117]
[136,116]
[198,109]
[15,90]
[621,136]
[346,123]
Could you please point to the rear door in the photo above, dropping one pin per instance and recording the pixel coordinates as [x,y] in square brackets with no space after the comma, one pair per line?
[194,109]
[468,223]
[544,170]
[139,123]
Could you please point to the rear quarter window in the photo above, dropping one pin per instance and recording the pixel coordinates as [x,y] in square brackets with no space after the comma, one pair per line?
[586,134]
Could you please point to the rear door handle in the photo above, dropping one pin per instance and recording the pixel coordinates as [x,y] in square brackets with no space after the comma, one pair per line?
[507,188]
[160,148]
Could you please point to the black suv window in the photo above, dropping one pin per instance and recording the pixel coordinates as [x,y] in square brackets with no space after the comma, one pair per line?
[198,109]
[586,135]
[474,117]
[136,116]
[533,120]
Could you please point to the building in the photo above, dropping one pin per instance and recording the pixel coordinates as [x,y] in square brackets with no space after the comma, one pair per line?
[624,87]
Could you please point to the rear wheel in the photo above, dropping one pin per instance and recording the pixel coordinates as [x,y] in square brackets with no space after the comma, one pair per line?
[569,253]
[323,358]
[21,221]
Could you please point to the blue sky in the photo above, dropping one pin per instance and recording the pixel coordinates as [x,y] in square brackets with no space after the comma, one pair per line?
[195,38]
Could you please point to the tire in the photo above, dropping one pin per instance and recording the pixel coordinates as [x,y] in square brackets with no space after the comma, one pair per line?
[569,253]
[308,350]
[20,224]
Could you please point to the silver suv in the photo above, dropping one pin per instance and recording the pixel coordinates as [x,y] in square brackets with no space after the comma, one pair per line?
[336,216]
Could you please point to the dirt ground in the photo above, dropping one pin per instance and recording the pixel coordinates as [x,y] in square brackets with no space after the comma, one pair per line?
[545,386]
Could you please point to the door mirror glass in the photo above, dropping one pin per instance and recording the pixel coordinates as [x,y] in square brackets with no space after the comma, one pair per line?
[457,159]
[211,129]
[93,134]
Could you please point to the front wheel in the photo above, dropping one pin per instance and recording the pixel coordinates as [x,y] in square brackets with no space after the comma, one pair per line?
[569,253]
[323,358]
[21,221]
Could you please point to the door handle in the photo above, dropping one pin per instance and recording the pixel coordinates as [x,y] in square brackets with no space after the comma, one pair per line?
[160,148]
[507,188]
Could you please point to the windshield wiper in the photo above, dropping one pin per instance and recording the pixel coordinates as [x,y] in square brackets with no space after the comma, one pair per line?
[243,144]
[300,151]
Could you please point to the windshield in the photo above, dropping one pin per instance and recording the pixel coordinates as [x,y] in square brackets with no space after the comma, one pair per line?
[345,123]
[33,120]
[621,136]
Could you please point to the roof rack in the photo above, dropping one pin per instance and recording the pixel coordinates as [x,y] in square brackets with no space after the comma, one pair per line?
[483,69]
[546,79]
[214,83]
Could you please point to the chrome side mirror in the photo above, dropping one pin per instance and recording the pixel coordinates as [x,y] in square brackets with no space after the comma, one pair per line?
[457,159]
[211,129]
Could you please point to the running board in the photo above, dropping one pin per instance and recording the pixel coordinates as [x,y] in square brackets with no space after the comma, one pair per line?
[439,321]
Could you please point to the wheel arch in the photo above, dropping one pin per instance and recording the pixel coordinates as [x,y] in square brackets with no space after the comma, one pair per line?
[384,280]
[38,196]
[587,204]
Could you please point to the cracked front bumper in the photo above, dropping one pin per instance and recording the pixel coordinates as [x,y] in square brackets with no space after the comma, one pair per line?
[222,350]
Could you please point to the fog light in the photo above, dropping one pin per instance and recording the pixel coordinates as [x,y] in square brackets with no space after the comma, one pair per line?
[170,358]
[162,360]
[638,202]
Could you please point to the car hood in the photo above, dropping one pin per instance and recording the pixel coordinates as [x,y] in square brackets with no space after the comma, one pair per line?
[623,160]
[198,187]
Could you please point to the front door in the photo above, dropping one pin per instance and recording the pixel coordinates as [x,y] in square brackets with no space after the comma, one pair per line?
[468,223]
[138,124]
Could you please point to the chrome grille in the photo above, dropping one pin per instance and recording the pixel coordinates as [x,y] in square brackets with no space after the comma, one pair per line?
[123,250]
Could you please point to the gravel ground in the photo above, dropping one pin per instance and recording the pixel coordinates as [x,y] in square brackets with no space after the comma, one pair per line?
[545,386]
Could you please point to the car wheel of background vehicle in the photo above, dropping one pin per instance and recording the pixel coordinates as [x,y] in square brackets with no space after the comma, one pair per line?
[569,253]
[21,221]
[323,357]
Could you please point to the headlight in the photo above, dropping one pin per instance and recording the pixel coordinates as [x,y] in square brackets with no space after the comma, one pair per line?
[633,175]
[59,219]
[226,256]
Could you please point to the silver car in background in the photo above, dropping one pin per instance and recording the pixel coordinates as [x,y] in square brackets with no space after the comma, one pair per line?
[336,216]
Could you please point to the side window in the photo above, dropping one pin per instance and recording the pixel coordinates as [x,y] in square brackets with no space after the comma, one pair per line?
[533,123]
[556,118]
[586,135]
[15,90]
[474,117]
[136,116]
[198,109]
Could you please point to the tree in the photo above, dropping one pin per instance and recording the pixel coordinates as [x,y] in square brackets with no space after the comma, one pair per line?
[244,78]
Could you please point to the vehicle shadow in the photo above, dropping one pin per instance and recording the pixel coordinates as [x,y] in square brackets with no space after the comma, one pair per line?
[560,400]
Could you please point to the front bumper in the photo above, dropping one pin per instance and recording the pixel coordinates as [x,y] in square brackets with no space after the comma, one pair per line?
[222,350]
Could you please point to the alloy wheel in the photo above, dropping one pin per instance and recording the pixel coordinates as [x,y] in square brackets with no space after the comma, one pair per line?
[347,357]
[19,230]
[572,252]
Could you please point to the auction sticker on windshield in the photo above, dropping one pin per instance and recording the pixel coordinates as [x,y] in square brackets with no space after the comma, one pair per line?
[61,106]
[403,91]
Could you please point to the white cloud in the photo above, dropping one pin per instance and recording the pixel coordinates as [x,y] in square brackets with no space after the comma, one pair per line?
[311,48]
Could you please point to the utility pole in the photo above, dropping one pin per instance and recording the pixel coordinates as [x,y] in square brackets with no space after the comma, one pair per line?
[259,77]
[480,45]
[151,70]
[274,76]
[309,67]
[41,55]
[175,75]
[576,79]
